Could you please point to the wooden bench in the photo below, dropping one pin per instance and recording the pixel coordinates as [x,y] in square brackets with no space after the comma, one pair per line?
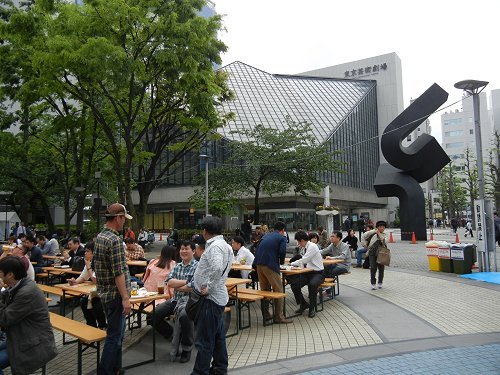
[243,301]
[271,296]
[87,336]
[47,289]
[328,284]
[42,276]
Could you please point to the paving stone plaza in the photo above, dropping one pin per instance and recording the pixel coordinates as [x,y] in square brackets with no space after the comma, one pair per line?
[419,322]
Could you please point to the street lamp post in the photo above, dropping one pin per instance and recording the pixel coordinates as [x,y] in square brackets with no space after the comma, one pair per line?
[97,176]
[474,88]
[205,158]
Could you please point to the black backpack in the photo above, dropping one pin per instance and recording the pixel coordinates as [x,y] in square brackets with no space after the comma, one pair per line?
[78,263]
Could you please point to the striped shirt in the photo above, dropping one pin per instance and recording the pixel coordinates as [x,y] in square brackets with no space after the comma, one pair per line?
[110,262]
[182,271]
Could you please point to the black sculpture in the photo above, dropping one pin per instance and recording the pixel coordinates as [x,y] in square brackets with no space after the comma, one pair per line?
[409,166]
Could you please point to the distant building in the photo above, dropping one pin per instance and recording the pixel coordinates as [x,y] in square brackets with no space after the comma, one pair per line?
[387,72]
[458,131]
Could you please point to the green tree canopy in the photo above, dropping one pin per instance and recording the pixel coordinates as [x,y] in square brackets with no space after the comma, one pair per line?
[142,68]
[272,162]
[453,196]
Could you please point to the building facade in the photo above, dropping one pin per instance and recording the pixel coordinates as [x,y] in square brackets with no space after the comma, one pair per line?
[343,114]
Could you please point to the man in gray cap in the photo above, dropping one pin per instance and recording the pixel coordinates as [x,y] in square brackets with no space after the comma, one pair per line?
[113,285]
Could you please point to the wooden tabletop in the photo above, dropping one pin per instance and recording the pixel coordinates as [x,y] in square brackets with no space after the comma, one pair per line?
[60,271]
[53,257]
[332,261]
[233,281]
[83,288]
[140,263]
[241,267]
[295,271]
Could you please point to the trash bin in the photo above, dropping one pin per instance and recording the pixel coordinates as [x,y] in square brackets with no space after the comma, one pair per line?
[432,257]
[462,256]
[445,262]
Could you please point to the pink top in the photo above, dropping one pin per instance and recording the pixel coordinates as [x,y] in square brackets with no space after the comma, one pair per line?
[155,274]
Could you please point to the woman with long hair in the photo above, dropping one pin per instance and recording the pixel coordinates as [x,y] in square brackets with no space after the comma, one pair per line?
[158,270]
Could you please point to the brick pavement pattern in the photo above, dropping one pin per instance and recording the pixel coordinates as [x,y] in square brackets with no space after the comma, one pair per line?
[484,360]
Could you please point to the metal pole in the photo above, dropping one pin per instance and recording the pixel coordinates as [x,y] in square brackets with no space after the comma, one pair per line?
[5,220]
[206,187]
[480,171]
[99,205]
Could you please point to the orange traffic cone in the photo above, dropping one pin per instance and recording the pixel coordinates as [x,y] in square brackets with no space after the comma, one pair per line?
[432,236]
[413,238]
[457,240]
[161,236]
[391,240]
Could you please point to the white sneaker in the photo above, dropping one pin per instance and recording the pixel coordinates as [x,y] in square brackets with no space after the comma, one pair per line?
[380,285]
[374,287]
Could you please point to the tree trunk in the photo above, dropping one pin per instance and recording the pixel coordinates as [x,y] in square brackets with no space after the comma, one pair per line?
[256,213]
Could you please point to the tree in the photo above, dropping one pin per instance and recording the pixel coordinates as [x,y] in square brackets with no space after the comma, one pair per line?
[452,193]
[143,68]
[492,183]
[272,161]
[470,181]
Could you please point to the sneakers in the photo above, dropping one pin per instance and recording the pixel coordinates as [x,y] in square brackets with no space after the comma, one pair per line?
[374,287]
[380,285]
[185,356]
[358,266]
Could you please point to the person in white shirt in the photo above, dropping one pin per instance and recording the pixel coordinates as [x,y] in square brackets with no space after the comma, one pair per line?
[311,259]
[21,252]
[91,305]
[243,256]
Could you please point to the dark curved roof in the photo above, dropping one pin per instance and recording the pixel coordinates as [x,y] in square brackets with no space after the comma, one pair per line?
[264,98]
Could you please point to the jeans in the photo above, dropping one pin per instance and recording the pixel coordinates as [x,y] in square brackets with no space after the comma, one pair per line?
[334,270]
[162,311]
[313,281]
[359,255]
[210,340]
[373,271]
[4,356]
[111,359]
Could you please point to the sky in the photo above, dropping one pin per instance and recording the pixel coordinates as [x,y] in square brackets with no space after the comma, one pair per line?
[439,41]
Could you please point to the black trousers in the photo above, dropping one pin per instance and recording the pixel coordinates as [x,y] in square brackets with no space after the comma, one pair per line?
[374,266]
[313,280]
[95,316]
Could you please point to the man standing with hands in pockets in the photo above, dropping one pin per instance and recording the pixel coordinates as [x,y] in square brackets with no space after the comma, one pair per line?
[113,286]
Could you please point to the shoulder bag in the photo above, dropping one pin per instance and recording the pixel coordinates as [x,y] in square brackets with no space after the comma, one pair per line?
[195,301]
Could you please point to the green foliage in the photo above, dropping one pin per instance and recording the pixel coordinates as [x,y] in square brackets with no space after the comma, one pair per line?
[492,173]
[452,193]
[272,162]
[142,69]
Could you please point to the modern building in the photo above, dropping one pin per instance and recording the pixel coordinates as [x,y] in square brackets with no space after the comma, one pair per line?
[343,112]
[386,70]
[457,129]
[458,132]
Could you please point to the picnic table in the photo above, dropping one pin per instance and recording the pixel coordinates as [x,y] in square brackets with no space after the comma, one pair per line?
[143,300]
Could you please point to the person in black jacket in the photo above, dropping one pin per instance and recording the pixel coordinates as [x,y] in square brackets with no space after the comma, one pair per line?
[351,240]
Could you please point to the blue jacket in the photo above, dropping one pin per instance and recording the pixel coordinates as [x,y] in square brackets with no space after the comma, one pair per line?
[271,251]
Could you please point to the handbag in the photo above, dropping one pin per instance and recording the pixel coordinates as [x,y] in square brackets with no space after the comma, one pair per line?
[195,301]
[193,305]
[384,256]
